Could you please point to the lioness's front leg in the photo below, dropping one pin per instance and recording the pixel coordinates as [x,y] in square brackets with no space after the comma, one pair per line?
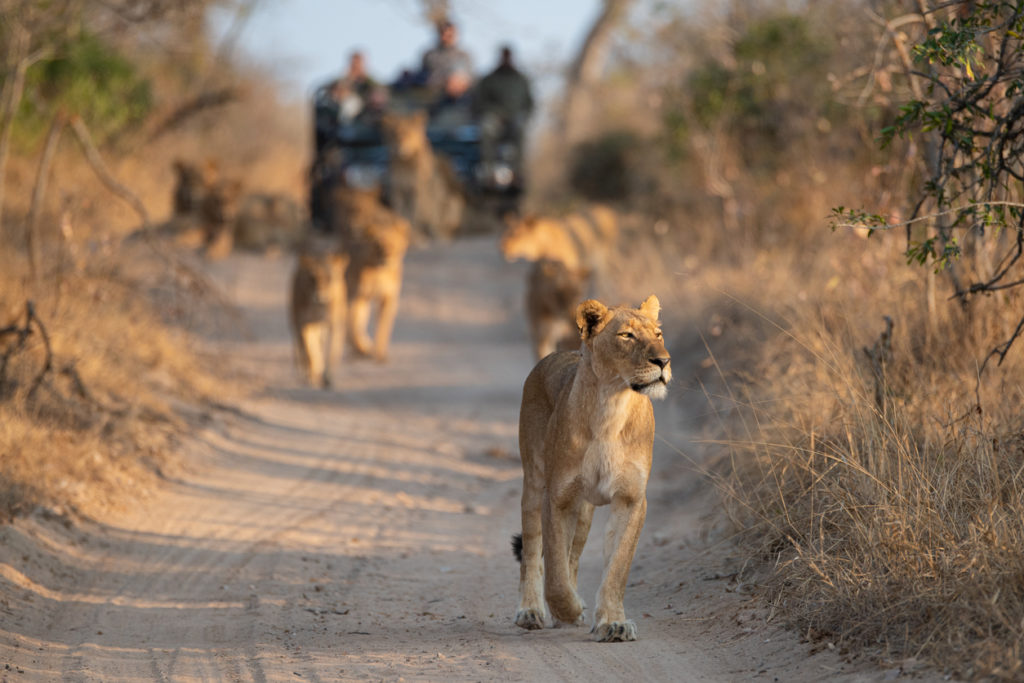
[583,519]
[623,532]
[314,340]
[559,522]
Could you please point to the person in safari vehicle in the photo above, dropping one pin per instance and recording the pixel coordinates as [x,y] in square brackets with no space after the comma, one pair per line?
[502,104]
[447,72]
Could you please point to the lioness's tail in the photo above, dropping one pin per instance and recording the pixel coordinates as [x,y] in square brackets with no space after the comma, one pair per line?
[517,547]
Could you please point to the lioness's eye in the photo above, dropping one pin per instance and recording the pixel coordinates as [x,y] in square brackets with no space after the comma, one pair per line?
[626,335]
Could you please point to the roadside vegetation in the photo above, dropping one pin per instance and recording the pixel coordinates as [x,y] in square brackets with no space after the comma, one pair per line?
[100,372]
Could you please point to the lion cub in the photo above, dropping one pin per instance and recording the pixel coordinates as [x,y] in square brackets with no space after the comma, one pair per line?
[317,311]
[586,435]
[424,186]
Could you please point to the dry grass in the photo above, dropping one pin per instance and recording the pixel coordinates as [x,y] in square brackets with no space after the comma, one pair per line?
[120,315]
[888,509]
[74,450]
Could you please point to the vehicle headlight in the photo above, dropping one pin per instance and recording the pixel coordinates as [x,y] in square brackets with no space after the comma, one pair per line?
[362,176]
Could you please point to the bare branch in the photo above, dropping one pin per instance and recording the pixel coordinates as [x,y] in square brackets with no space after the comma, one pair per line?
[100,168]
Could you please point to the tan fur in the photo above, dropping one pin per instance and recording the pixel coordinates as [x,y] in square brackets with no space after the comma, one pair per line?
[552,292]
[317,312]
[217,215]
[586,434]
[424,187]
[376,239]
[577,240]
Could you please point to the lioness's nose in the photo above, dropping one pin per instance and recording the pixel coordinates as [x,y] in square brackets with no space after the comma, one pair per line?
[661,361]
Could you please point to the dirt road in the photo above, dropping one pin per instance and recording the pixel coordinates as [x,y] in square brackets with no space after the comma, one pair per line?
[363,533]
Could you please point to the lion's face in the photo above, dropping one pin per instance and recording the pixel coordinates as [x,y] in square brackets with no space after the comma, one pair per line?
[521,240]
[627,344]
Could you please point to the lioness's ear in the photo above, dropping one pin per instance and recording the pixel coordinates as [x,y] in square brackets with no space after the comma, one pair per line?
[590,317]
[651,307]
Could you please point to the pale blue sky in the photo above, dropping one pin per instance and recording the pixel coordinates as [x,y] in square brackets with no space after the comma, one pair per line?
[305,42]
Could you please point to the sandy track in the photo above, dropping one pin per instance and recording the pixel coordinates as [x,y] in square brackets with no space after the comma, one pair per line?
[363,533]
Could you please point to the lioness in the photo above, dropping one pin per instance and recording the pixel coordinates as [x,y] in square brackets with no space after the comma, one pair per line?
[317,311]
[586,434]
[217,214]
[552,292]
[376,241]
[424,186]
[190,184]
[580,239]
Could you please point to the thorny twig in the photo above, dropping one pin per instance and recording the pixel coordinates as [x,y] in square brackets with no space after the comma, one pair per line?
[33,324]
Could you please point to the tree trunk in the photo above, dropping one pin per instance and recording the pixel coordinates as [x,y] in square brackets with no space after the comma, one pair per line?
[585,70]
[17,62]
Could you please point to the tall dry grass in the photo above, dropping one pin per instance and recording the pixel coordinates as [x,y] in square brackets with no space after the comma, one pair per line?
[124,382]
[883,489]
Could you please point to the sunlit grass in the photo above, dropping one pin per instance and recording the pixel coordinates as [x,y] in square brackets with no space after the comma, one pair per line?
[887,507]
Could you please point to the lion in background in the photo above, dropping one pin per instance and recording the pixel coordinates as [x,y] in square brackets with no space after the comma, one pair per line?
[215,213]
[424,187]
[586,436]
[552,292]
[582,239]
[375,239]
[567,253]
[317,310]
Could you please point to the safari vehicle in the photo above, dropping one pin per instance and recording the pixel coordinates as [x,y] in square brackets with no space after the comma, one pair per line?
[355,153]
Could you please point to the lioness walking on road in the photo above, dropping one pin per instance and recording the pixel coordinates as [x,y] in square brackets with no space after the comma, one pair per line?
[317,311]
[375,239]
[586,435]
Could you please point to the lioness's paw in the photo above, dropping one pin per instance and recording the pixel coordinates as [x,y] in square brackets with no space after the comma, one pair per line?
[614,632]
[530,619]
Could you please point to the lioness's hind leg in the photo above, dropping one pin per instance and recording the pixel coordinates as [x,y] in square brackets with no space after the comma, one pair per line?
[358,320]
[385,324]
[337,330]
[531,613]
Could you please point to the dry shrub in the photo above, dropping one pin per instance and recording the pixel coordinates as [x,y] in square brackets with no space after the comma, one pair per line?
[97,427]
[885,493]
